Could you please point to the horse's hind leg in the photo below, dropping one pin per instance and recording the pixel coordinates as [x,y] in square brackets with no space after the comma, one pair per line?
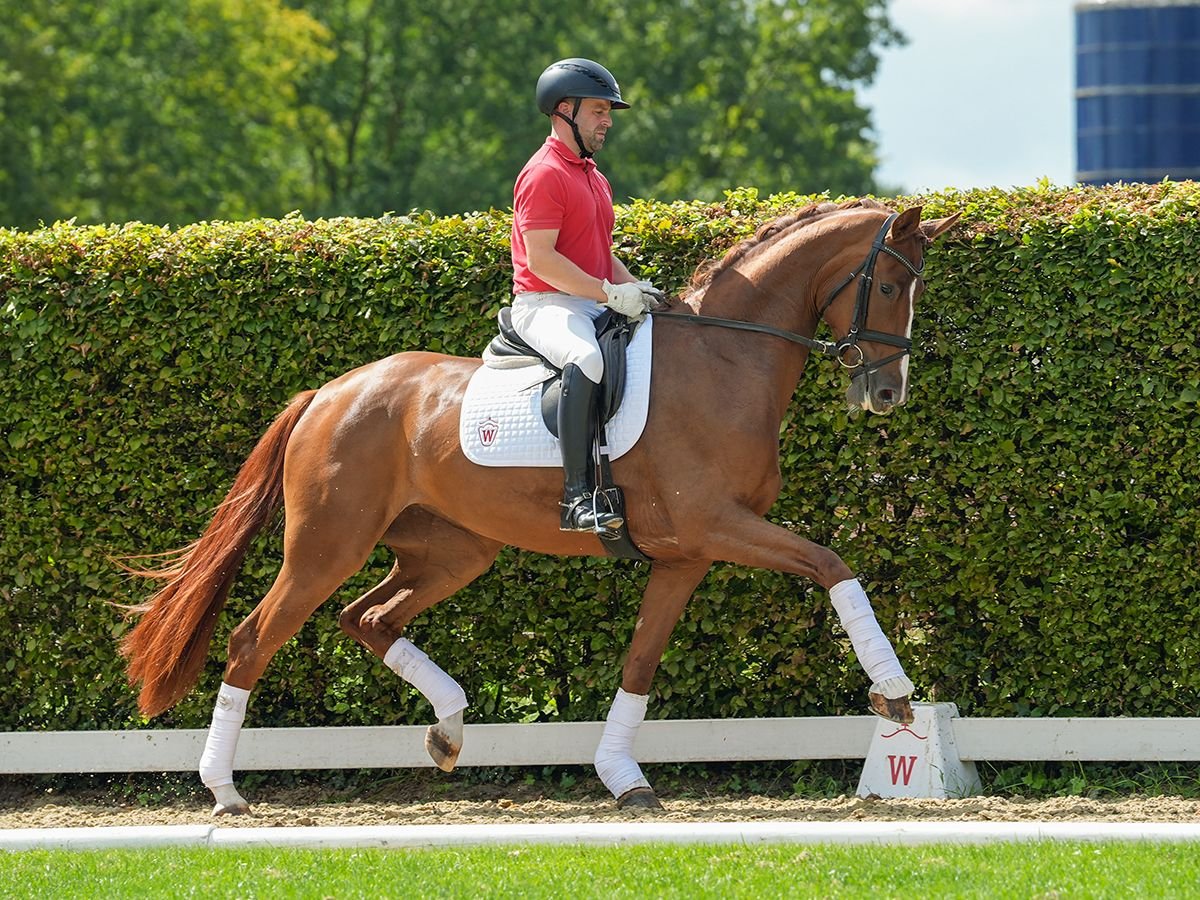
[327,538]
[434,558]
[297,592]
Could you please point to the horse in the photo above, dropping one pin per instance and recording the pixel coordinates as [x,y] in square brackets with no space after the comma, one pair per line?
[373,457]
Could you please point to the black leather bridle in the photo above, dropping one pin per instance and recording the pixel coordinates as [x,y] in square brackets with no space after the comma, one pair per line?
[858,365]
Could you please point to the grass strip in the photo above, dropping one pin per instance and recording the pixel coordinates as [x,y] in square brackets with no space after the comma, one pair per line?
[1024,869]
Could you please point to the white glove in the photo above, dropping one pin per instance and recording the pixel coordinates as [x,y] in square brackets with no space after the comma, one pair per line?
[628,299]
[656,298]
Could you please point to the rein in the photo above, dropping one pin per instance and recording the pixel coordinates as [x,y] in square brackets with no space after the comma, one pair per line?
[860,365]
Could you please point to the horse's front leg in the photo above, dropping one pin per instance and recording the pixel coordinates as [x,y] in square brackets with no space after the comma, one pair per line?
[750,540]
[667,592]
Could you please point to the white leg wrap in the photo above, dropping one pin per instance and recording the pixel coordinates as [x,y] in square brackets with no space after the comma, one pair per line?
[216,763]
[872,647]
[614,756]
[444,693]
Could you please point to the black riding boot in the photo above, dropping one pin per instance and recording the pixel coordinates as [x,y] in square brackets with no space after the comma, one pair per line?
[576,409]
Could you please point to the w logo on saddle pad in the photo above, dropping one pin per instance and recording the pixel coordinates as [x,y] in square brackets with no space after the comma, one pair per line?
[501,421]
[488,429]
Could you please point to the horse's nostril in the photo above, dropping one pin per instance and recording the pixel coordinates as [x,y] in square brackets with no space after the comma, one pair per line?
[886,396]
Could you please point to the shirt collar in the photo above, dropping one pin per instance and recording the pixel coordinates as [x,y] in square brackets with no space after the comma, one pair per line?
[568,155]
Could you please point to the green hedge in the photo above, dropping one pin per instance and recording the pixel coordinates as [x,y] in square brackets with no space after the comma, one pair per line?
[1027,525]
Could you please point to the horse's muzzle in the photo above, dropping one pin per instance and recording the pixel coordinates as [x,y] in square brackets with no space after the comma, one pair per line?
[875,395]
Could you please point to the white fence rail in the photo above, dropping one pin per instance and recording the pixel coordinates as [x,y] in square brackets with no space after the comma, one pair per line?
[668,740]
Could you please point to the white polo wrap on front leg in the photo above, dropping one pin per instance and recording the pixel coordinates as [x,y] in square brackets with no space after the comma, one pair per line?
[444,693]
[871,645]
[216,763]
[614,756]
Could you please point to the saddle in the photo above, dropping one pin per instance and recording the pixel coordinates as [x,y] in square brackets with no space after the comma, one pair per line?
[614,331]
[507,350]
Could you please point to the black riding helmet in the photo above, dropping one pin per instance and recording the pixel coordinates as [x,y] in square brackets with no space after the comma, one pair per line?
[577,78]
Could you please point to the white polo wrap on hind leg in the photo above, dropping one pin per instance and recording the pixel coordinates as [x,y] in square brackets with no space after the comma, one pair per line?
[443,693]
[872,647]
[216,763]
[614,756]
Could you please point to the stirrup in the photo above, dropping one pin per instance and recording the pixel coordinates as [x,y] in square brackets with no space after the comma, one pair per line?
[582,514]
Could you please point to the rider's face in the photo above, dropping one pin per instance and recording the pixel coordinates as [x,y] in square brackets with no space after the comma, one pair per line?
[593,119]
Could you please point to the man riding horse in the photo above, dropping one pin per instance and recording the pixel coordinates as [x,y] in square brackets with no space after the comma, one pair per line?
[564,271]
[374,456]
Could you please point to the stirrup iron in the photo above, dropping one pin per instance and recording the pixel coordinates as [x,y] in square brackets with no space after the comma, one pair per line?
[603,521]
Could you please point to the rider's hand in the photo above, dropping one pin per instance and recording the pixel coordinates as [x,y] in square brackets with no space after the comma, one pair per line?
[630,299]
[651,296]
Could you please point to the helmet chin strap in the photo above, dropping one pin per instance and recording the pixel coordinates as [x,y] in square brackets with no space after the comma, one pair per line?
[584,153]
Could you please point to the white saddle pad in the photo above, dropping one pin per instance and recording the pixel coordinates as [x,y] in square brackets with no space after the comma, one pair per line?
[501,421]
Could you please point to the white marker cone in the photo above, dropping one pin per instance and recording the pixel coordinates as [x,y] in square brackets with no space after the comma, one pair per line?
[918,760]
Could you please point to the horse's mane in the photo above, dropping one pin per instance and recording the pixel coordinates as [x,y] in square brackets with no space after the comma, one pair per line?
[707,271]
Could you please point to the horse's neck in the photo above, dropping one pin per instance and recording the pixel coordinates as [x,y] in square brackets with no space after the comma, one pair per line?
[778,296]
[775,293]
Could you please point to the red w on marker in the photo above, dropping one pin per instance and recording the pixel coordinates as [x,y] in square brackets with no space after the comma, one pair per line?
[902,767]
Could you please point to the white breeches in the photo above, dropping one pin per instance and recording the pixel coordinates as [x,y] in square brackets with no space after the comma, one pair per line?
[559,326]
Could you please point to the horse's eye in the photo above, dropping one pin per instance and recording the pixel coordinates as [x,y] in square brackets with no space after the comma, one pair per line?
[887,289]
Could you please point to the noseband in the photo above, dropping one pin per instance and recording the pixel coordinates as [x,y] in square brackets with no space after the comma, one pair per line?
[841,349]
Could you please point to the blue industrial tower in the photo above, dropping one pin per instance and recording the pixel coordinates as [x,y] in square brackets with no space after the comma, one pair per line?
[1137,90]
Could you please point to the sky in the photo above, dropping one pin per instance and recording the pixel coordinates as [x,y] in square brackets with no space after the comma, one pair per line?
[982,95]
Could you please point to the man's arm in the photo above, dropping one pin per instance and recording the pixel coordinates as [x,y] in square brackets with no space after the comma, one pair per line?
[553,268]
[626,297]
[621,273]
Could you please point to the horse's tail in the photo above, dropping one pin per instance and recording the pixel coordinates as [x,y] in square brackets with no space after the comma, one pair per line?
[167,648]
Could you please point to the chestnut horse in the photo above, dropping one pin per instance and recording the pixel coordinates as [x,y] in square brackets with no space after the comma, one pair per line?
[373,457]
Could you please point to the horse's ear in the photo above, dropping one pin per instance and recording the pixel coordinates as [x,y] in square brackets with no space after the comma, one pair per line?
[934,227]
[906,224]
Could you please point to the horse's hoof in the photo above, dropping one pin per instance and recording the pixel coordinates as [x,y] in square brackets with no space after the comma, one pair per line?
[441,748]
[639,798]
[229,801]
[898,710]
[234,809]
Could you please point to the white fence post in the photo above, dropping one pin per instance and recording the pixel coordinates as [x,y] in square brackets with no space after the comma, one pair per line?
[918,760]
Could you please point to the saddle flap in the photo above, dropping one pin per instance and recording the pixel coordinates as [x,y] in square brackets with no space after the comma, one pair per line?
[613,333]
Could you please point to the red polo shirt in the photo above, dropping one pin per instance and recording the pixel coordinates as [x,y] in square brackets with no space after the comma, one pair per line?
[558,190]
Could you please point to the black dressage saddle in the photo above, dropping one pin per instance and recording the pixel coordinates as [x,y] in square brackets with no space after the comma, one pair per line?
[613,334]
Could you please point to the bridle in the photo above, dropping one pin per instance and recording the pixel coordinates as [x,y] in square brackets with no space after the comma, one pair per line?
[840,349]
[858,332]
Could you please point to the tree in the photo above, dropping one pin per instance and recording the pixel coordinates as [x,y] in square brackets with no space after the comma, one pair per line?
[765,98]
[429,104]
[163,111]
[32,94]
[432,104]
[179,110]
